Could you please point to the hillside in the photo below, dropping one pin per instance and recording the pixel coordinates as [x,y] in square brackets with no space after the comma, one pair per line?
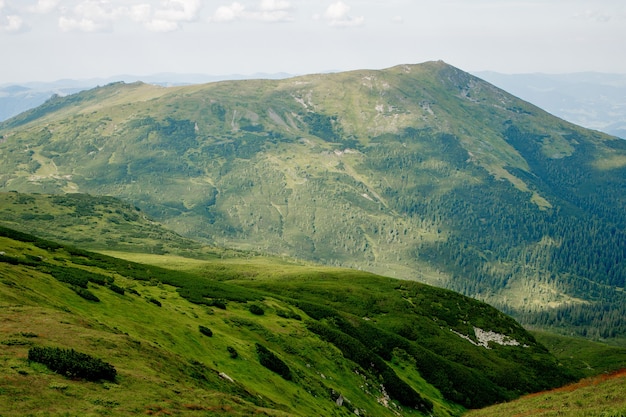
[598,396]
[421,172]
[194,341]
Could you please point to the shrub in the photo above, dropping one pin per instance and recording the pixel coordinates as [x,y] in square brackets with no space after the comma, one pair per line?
[86,294]
[205,331]
[117,289]
[72,364]
[256,309]
[218,303]
[154,301]
[273,362]
[232,352]
[133,291]
[288,315]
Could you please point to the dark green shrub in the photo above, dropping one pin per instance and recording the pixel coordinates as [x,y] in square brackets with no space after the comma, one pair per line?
[72,364]
[133,291]
[219,304]
[273,362]
[86,294]
[232,352]
[256,309]
[117,289]
[154,301]
[205,331]
[288,315]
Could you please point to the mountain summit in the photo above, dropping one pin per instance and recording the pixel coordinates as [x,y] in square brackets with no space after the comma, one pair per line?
[418,171]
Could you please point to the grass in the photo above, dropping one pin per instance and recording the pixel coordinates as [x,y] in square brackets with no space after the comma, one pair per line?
[164,364]
[595,396]
[151,335]
[590,358]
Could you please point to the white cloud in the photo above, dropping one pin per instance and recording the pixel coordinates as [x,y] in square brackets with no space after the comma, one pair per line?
[178,10]
[11,23]
[91,16]
[100,15]
[140,13]
[267,11]
[229,13]
[44,6]
[337,14]
[168,17]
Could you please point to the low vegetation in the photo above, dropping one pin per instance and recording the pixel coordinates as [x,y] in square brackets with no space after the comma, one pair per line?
[72,364]
[375,345]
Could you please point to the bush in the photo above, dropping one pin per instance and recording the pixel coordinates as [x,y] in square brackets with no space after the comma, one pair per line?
[117,289]
[205,331]
[86,294]
[72,364]
[232,352]
[288,315]
[256,309]
[273,362]
[154,301]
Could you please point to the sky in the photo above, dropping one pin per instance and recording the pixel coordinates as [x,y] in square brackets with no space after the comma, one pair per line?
[47,40]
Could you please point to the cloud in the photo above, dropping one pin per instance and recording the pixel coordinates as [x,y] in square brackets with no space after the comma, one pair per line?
[168,17]
[267,11]
[100,15]
[11,23]
[44,6]
[91,16]
[229,13]
[178,10]
[337,14]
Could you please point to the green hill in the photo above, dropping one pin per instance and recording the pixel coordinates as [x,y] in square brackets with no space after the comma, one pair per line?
[421,172]
[250,336]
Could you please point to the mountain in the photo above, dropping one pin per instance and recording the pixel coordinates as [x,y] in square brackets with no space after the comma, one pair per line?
[421,172]
[593,100]
[244,336]
[17,98]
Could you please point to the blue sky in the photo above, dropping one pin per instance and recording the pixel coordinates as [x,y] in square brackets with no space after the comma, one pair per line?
[46,40]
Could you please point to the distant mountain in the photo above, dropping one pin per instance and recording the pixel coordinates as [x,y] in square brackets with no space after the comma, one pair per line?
[421,172]
[593,100]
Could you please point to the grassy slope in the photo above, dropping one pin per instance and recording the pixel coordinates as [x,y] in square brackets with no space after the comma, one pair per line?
[599,394]
[163,360]
[595,396]
[164,364]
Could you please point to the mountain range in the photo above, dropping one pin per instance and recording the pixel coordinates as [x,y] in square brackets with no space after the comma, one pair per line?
[420,172]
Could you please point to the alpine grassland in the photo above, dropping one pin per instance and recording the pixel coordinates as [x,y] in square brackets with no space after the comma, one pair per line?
[410,241]
[328,341]
[595,396]
[420,172]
